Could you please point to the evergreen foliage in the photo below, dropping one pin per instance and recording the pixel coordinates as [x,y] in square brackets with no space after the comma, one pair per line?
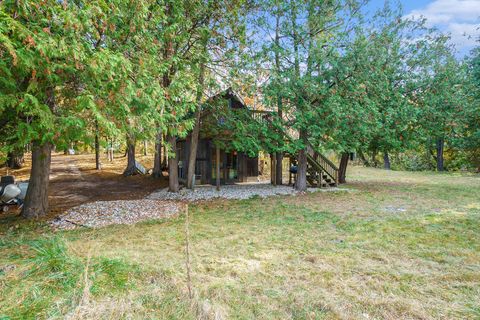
[331,79]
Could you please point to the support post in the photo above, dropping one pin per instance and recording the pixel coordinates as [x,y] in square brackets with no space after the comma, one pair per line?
[289,172]
[274,169]
[217,167]
[97,147]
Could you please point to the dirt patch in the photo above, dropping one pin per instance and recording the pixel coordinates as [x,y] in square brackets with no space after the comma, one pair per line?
[74,181]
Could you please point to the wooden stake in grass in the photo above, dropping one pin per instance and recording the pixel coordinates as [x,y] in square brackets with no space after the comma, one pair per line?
[187,253]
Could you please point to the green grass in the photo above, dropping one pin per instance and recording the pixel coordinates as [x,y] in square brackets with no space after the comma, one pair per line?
[398,245]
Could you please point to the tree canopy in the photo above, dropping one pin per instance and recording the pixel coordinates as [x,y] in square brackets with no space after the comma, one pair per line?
[325,77]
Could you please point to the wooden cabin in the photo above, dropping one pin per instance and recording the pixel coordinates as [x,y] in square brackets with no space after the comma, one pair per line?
[235,166]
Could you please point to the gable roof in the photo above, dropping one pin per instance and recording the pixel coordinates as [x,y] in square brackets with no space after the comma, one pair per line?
[229,93]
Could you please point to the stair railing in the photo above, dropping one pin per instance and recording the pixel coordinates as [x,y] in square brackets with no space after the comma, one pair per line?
[324,163]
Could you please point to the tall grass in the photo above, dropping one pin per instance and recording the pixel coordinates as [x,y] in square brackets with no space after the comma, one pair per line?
[41,278]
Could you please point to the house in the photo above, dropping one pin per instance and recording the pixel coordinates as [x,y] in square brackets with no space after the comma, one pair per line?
[234,166]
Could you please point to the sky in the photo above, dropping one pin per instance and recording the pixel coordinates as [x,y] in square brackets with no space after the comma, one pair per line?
[460,18]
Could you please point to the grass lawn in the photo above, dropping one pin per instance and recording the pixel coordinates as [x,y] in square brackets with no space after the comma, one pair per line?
[397,245]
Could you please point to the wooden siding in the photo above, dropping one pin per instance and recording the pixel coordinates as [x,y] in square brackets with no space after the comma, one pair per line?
[234,167]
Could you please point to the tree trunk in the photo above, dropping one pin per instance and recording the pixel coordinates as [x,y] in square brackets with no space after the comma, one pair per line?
[374,158]
[362,157]
[301,181]
[279,168]
[36,200]
[167,54]
[192,157]
[145,146]
[130,169]
[386,160]
[272,169]
[342,169]
[165,157]
[97,147]
[15,159]
[440,148]
[173,185]
[157,160]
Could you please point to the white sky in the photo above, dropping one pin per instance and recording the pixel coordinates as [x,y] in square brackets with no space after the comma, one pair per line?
[461,18]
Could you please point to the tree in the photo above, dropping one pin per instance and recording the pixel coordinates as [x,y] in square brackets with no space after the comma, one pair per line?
[443,102]
[66,63]
[402,51]
[300,57]
[120,87]
[41,48]
[468,138]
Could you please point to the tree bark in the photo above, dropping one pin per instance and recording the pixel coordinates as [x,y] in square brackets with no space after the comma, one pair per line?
[165,157]
[130,169]
[278,169]
[342,168]
[145,146]
[157,160]
[36,200]
[97,147]
[192,158]
[272,169]
[386,160]
[440,149]
[173,185]
[301,181]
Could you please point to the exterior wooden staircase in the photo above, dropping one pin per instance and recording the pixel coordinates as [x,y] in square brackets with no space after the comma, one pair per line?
[321,172]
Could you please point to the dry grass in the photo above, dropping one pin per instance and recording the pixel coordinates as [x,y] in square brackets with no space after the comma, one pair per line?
[398,246]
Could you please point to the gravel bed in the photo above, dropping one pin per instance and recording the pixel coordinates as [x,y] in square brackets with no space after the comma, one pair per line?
[238,191]
[102,213]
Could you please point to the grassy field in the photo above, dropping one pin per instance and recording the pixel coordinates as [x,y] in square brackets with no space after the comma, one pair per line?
[395,245]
